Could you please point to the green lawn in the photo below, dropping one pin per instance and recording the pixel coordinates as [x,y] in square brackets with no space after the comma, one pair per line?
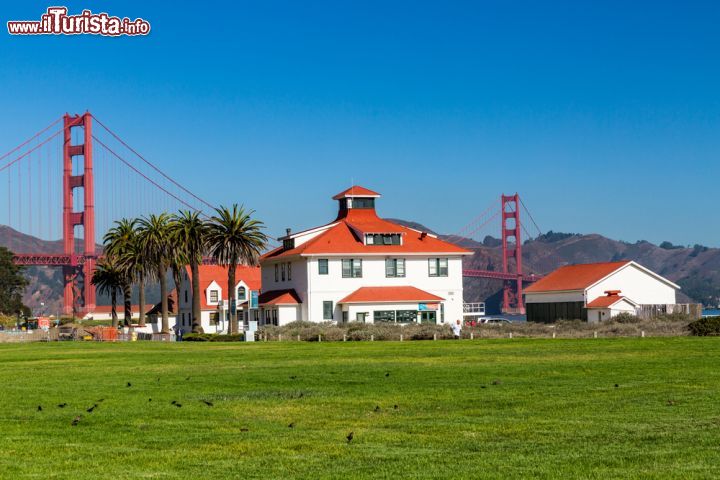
[482,409]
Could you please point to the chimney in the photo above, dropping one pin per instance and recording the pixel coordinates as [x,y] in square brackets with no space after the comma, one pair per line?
[612,293]
[287,231]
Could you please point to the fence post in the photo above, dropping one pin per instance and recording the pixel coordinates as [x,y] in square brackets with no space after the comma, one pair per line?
[279,337]
[344,337]
[319,337]
[401,337]
[372,338]
[553,334]
[298,338]
[472,335]
[642,334]
[595,334]
[434,336]
[510,334]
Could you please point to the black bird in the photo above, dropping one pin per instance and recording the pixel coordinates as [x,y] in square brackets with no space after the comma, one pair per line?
[76,420]
[482,386]
[178,405]
[670,403]
[188,378]
[292,377]
[149,399]
[209,404]
[62,405]
[395,407]
[350,437]
[387,374]
[90,410]
[129,384]
[158,379]
[616,385]
[39,408]
[377,408]
[244,429]
[291,425]
[174,402]
[301,395]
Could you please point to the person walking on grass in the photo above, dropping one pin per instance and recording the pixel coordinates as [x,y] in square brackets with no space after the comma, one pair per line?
[457,329]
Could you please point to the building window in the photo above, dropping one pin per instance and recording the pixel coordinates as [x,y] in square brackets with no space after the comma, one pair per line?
[384,316]
[186,296]
[352,268]
[277,272]
[383,239]
[289,271]
[345,315]
[394,267]
[438,267]
[214,318]
[323,266]
[241,294]
[442,313]
[361,202]
[214,296]
[327,310]
[282,272]
[275,316]
[406,316]
[288,244]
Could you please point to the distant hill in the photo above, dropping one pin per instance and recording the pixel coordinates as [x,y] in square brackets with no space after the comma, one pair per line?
[696,269]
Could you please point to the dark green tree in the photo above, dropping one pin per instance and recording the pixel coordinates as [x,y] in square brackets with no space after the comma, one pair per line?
[12,284]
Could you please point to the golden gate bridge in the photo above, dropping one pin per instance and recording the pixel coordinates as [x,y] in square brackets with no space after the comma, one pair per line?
[76,176]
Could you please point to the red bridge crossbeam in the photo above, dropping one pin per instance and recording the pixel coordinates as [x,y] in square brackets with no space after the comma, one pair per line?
[501,275]
[50,259]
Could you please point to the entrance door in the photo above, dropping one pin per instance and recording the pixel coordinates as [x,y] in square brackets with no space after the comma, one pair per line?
[428,317]
[360,316]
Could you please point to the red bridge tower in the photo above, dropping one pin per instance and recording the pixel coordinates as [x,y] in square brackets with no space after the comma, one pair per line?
[79,294]
[512,249]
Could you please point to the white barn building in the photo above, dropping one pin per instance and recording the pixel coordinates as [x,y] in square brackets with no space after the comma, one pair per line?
[214,304]
[360,267]
[597,292]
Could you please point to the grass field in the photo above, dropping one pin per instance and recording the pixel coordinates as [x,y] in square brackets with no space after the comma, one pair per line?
[605,408]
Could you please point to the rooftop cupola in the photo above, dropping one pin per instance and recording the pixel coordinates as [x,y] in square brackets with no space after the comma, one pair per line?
[356,198]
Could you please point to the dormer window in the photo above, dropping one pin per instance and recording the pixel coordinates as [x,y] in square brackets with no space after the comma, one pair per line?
[214,296]
[288,244]
[383,239]
[361,202]
[241,293]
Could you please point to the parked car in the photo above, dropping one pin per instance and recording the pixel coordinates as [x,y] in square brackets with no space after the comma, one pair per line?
[495,321]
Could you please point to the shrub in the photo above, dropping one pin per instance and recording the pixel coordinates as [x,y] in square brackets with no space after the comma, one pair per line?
[626,317]
[209,337]
[707,326]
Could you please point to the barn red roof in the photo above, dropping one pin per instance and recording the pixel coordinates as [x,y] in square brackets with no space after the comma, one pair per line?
[345,235]
[356,191]
[286,296]
[390,294]
[575,277]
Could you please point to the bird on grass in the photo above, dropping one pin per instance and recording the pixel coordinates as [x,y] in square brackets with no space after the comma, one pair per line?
[616,385]
[670,403]
[39,408]
[377,408]
[129,384]
[209,404]
[173,402]
[244,429]
[179,405]
[496,382]
[482,386]
[387,374]
[76,420]
[62,405]
[350,437]
[188,378]
[292,377]
[149,399]
[90,410]
[395,407]
[291,425]
[101,400]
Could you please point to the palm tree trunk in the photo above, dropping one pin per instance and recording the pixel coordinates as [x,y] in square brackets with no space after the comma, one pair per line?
[163,300]
[113,308]
[196,320]
[177,279]
[127,301]
[141,299]
[232,327]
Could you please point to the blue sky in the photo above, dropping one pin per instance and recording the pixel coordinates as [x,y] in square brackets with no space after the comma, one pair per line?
[604,116]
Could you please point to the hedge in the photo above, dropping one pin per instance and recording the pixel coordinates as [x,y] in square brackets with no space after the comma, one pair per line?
[210,337]
[706,326]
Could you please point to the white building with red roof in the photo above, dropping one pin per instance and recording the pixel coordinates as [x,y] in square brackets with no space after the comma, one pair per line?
[360,267]
[597,292]
[214,299]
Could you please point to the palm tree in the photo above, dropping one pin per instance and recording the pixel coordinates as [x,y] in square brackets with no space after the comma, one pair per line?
[108,279]
[154,243]
[188,232]
[119,242]
[233,237]
[133,261]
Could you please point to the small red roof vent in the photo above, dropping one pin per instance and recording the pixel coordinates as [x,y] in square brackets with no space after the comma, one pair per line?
[612,293]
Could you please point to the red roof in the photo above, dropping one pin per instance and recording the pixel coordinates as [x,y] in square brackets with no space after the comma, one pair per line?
[605,301]
[356,191]
[279,297]
[345,235]
[575,277]
[390,294]
[219,274]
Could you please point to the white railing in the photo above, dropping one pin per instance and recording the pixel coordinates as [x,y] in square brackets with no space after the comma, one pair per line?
[474,308]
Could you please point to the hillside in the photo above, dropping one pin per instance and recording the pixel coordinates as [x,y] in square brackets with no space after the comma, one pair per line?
[696,269]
